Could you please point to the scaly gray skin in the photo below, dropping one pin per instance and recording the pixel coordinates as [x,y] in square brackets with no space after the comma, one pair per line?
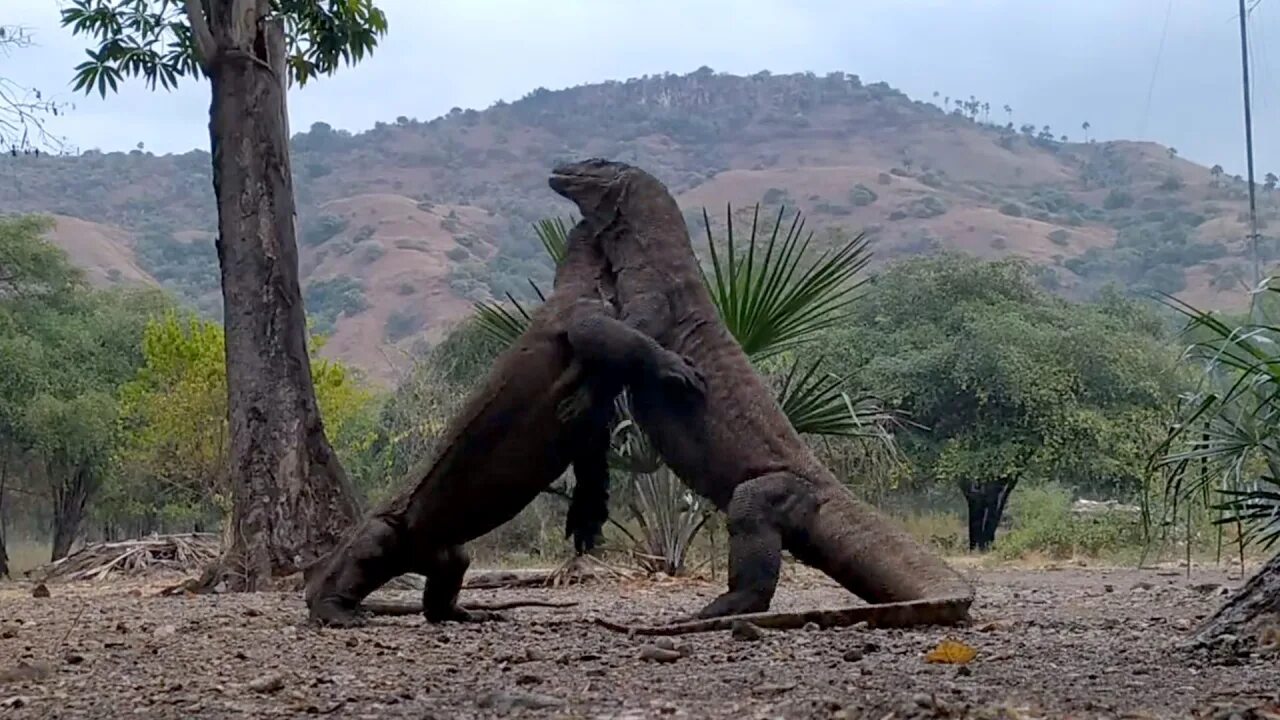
[510,441]
[738,448]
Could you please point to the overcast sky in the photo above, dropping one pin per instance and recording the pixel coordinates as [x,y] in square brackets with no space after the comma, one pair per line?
[1165,70]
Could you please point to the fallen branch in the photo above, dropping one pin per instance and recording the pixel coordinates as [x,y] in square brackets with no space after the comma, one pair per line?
[903,614]
[133,557]
[411,608]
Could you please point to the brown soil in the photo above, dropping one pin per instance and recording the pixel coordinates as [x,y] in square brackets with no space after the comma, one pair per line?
[1054,644]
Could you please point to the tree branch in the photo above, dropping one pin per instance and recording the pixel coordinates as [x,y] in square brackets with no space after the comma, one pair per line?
[200,33]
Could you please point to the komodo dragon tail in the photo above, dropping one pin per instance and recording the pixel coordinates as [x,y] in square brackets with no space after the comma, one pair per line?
[874,557]
[901,614]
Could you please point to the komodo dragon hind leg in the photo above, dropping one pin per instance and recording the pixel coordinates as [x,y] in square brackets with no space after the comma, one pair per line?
[444,569]
[761,513]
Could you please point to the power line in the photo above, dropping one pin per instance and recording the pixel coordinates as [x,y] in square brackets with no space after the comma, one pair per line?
[1151,87]
[1248,146]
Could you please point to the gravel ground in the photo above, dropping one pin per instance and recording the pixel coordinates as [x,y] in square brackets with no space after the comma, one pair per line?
[1075,642]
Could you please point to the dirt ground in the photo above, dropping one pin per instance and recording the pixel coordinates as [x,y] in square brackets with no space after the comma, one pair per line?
[1075,642]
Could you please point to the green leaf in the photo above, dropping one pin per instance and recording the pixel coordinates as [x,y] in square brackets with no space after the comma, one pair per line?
[771,304]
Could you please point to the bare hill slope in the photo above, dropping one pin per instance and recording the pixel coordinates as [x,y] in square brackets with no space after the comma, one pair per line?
[403,226]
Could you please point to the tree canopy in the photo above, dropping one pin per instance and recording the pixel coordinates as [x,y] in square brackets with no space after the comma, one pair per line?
[1007,382]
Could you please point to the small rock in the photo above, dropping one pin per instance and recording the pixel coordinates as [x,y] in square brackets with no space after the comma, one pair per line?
[653,653]
[352,641]
[870,647]
[121,627]
[1141,586]
[772,689]
[743,630]
[73,658]
[252,612]
[852,655]
[507,701]
[9,631]
[1108,588]
[1182,624]
[164,631]
[665,643]
[535,655]
[528,679]
[26,672]
[963,671]
[990,627]
[268,683]
[594,672]
[811,627]
[40,591]
[15,702]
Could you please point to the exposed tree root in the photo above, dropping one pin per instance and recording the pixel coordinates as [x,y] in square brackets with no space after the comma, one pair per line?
[904,614]
[1249,618]
[415,608]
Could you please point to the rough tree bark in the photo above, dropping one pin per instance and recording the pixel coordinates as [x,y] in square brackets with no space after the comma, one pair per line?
[291,500]
[4,512]
[69,500]
[1252,611]
[987,501]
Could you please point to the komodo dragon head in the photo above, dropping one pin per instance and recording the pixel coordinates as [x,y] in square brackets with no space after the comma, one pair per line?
[601,187]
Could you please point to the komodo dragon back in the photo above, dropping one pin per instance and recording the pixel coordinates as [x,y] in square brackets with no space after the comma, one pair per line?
[661,292]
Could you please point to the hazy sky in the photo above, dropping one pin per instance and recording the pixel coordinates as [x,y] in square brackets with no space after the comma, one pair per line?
[1165,70]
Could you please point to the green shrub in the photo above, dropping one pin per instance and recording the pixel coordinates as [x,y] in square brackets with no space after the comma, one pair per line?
[1041,521]
[1011,209]
[457,254]
[401,324]
[327,300]
[322,229]
[861,195]
[1117,199]
[1059,236]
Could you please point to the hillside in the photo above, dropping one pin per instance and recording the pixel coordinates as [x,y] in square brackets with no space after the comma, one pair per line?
[403,226]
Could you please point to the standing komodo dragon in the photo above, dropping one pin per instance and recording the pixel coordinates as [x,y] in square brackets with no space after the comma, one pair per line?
[737,448]
[507,444]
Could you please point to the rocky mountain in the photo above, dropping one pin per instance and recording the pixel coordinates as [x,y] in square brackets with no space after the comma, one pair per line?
[402,227]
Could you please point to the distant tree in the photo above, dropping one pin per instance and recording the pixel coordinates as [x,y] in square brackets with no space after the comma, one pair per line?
[292,500]
[1008,110]
[1269,181]
[1009,384]
[1215,172]
[1173,152]
[1085,127]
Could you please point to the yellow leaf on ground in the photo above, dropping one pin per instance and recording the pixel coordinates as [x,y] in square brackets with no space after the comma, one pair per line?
[952,652]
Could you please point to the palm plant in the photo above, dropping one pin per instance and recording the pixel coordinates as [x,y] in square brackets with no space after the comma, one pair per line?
[1226,443]
[774,297]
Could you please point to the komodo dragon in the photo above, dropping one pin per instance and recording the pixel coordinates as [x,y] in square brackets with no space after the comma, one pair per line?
[737,448]
[506,444]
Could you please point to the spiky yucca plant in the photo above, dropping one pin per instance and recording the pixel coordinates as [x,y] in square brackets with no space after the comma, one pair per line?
[774,296]
[1226,441]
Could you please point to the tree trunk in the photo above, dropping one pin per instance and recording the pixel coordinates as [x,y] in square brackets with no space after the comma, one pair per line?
[4,512]
[1251,611]
[291,500]
[986,501]
[69,502]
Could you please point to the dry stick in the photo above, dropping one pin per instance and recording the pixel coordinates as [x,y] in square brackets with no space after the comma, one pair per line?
[392,608]
[948,611]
